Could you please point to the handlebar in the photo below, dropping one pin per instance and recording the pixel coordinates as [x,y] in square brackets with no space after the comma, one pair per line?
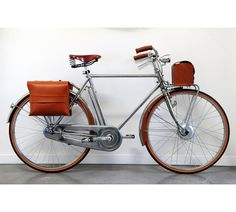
[144,48]
[152,55]
[140,56]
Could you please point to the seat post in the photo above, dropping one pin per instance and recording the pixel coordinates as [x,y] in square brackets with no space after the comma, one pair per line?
[86,70]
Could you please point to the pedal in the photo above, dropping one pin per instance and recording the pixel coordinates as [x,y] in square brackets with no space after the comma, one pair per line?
[129,136]
[86,140]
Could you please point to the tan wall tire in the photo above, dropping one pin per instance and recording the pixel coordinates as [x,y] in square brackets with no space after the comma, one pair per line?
[145,137]
[24,159]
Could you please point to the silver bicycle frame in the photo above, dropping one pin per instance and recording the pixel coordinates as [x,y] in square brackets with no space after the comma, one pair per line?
[158,74]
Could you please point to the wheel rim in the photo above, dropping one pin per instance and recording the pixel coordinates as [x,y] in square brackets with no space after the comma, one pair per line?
[203,149]
[39,152]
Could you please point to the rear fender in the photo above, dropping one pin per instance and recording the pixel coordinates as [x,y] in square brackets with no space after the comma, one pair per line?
[13,107]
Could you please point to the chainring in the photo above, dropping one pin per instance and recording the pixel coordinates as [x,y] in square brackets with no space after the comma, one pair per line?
[113,143]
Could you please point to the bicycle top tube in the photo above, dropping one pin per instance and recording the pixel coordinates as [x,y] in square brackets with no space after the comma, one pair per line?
[122,75]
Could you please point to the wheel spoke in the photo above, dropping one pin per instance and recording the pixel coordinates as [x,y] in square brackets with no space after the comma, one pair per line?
[167,122]
[164,141]
[210,135]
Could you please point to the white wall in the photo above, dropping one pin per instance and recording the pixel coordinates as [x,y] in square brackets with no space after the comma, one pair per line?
[42,54]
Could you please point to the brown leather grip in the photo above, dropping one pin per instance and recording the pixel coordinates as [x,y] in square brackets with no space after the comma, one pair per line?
[140,56]
[144,48]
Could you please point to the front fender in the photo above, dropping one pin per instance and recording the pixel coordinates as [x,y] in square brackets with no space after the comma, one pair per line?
[13,107]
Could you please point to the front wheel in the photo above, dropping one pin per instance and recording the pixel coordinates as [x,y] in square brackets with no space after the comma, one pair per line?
[208,132]
[39,152]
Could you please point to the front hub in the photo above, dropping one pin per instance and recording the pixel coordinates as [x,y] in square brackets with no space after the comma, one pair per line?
[188,133]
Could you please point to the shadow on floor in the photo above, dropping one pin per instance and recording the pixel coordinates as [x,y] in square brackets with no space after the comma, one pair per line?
[115,174]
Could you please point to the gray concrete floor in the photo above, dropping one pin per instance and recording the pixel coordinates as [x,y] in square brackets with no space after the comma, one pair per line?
[115,174]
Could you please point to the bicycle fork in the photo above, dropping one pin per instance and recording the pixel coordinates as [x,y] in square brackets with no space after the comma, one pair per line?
[191,106]
[182,129]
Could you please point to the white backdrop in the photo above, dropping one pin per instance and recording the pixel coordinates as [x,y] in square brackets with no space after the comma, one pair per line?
[42,54]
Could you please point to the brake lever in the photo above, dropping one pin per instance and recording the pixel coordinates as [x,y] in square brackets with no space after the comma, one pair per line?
[143,64]
[150,55]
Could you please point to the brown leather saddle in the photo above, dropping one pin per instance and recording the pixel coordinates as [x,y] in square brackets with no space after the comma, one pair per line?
[85,58]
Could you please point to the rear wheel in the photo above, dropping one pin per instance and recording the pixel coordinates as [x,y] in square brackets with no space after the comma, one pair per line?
[37,151]
[203,146]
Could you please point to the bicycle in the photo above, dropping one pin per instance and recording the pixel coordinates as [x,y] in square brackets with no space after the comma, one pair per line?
[184,129]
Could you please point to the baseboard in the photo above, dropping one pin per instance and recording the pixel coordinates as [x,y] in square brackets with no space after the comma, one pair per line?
[115,159]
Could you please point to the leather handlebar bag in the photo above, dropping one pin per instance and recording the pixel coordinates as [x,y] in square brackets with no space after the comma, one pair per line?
[183,73]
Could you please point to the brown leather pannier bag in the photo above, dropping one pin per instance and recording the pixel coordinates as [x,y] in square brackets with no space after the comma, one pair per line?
[49,98]
[183,73]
